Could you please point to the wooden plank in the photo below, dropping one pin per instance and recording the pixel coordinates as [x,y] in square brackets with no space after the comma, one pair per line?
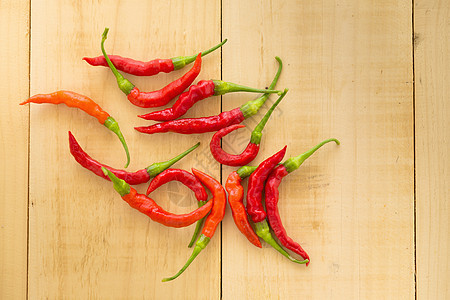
[85,242]
[348,65]
[432,74]
[14,21]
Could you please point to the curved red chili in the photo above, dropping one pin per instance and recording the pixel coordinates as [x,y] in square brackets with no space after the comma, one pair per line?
[252,148]
[147,68]
[149,207]
[235,199]
[133,178]
[155,98]
[204,89]
[213,123]
[87,105]
[213,219]
[272,196]
[182,176]
[255,207]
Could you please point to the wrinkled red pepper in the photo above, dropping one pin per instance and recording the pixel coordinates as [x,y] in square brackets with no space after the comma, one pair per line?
[272,196]
[138,177]
[155,98]
[213,123]
[252,148]
[147,68]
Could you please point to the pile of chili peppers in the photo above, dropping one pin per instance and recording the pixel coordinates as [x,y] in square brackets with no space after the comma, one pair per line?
[264,179]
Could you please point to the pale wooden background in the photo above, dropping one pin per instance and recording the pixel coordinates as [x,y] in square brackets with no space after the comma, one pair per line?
[372,213]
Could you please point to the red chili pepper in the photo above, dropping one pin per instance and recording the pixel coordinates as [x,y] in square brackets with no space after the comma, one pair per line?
[204,89]
[87,105]
[182,176]
[235,199]
[252,148]
[133,178]
[272,196]
[255,207]
[188,180]
[212,221]
[149,207]
[213,123]
[148,68]
[155,98]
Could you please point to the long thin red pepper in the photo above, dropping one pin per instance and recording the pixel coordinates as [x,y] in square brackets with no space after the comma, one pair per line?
[255,207]
[155,98]
[213,123]
[87,105]
[133,178]
[272,196]
[252,148]
[147,68]
[212,221]
[173,89]
[204,89]
[149,207]
[235,199]
[182,176]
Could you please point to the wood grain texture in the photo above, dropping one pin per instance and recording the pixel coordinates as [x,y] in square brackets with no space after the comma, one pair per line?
[348,65]
[432,74]
[85,242]
[14,38]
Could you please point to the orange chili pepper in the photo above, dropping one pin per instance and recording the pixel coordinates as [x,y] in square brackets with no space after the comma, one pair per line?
[87,105]
[235,197]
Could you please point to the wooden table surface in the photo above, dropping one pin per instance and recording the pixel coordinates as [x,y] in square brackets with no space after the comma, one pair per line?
[372,212]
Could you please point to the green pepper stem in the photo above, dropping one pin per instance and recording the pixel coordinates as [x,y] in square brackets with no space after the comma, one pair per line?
[198,226]
[156,168]
[245,171]
[223,87]
[293,163]
[199,246]
[112,125]
[124,84]
[251,107]
[257,132]
[120,185]
[180,61]
[262,230]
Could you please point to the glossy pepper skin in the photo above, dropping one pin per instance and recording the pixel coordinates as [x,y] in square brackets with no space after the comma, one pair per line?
[213,123]
[87,105]
[149,207]
[188,180]
[212,221]
[272,196]
[155,98]
[147,68]
[252,148]
[182,176]
[204,89]
[196,125]
[235,199]
[138,177]
[255,207]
